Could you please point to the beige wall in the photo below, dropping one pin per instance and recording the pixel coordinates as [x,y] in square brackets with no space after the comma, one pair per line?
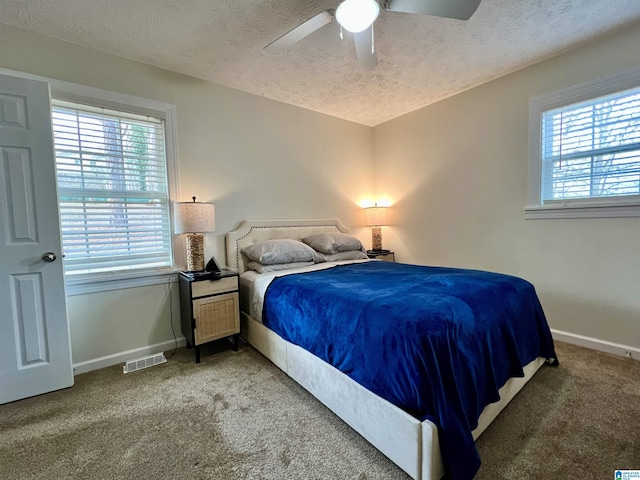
[255,158]
[457,174]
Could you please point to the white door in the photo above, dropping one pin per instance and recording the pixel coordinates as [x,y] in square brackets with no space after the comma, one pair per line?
[35,351]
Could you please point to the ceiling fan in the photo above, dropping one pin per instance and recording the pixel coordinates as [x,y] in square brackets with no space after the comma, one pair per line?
[357,17]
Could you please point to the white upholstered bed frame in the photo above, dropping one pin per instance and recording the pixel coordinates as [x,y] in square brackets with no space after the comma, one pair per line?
[411,444]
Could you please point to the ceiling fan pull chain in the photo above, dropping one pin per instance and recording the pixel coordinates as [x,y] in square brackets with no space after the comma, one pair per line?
[373,45]
[341,37]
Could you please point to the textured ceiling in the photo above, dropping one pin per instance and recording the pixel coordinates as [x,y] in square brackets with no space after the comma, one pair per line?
[422,59]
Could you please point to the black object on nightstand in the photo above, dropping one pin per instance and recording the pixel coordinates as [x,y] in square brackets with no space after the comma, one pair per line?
[209,307]
[386,255]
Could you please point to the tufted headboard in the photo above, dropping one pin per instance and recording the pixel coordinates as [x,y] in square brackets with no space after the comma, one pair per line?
[252,231]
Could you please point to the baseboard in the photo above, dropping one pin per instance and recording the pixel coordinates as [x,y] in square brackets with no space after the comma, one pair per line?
[596,344]
[122,357]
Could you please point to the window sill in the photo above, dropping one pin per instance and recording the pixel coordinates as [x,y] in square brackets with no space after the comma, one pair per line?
[117,281]
[582,211]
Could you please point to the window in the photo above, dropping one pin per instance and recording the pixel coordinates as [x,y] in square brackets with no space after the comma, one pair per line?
[585,150]
[117,172]
[592,149]
[112,189]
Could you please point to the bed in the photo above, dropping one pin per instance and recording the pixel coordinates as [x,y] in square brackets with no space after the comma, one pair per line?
[411,442]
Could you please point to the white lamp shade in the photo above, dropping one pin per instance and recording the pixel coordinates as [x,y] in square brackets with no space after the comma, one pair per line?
[194,217]
[376,216]
[357,15]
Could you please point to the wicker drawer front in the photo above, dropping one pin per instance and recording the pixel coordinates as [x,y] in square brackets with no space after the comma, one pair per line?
[213,287]
[216,317]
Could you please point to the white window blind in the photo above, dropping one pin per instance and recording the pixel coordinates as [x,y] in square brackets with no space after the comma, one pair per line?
[112,189]
[591,150]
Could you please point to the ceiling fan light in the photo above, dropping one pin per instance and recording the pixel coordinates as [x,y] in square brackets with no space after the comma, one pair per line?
[357,15]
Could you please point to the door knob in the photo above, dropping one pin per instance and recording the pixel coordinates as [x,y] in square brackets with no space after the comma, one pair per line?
[49,257]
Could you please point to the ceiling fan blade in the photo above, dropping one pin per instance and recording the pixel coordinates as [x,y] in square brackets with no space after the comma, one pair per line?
[301,31]
[367,58]
[459,9]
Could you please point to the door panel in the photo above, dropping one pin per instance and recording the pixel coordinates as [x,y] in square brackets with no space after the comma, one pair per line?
[28,320]
[18,183]
[35,352]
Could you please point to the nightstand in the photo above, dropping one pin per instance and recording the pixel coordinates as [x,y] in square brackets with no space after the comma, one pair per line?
[209,307]
[387,256]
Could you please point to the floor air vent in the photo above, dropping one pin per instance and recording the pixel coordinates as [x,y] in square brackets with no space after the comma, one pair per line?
[150,361]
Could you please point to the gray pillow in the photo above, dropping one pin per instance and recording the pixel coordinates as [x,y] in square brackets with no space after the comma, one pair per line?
[333,242]
[271,252]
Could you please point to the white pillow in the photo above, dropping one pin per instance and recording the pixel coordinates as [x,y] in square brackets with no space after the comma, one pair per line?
[351,255]
[271,252]
[333,242]
[260,268]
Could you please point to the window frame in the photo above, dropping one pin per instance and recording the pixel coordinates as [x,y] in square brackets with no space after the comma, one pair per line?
[574,208]
[104,281]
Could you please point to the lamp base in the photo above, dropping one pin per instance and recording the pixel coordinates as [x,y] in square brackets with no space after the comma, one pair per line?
[376,238]
[195,252]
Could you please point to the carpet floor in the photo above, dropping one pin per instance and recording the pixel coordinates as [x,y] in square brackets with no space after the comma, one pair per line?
[237,416]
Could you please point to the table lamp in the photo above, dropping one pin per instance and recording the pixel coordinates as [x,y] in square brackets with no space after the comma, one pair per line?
[194,219]
[376,217]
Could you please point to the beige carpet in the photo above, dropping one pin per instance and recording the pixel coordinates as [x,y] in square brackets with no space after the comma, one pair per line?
[237,416]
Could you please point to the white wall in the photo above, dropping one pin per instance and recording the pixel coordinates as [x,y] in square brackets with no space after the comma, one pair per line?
[255,158]
[457,174]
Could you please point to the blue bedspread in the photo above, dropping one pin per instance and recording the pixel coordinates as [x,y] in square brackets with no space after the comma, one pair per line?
[436,342]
